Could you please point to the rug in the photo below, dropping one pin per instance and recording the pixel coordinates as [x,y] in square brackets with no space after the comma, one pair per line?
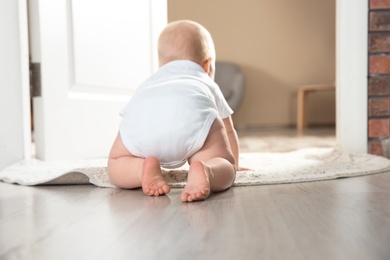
[310,164]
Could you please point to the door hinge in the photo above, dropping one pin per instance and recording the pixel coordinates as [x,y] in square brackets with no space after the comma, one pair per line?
[35,79]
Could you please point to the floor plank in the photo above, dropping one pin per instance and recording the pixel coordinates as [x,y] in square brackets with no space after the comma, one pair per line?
[337,219]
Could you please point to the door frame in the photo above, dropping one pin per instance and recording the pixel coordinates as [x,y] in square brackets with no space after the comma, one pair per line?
[15,132]
[351,75]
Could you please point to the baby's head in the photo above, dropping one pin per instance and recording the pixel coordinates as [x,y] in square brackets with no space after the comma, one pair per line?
[187,40]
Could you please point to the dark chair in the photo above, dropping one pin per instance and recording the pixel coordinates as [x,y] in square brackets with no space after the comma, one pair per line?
[231,81]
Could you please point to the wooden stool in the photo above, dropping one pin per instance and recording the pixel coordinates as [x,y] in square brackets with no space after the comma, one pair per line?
[303,91]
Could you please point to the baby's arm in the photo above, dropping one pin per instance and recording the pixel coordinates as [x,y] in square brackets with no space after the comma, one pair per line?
[233,138]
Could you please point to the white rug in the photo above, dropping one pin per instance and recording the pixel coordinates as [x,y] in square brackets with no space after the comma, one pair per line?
[310,164]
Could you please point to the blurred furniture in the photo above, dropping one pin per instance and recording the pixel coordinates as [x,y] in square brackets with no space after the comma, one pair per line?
[303,92]
[231,80]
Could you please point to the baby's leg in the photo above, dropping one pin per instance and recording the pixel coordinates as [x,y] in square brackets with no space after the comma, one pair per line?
[212,167]
[128,171]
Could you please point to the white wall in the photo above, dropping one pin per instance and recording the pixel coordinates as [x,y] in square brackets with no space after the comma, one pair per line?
[279,45]
[15,135]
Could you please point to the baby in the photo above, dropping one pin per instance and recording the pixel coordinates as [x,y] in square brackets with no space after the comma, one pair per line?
[177,115]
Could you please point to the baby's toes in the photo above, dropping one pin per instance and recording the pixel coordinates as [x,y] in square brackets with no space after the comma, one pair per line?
[146,190]
[150,192]
[166,189]
[160,191]
[184,197]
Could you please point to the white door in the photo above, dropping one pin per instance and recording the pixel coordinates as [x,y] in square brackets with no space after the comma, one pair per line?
[15,127]
[92,55]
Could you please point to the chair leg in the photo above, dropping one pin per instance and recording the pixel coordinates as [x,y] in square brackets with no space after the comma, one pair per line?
[301,115]
[303,92]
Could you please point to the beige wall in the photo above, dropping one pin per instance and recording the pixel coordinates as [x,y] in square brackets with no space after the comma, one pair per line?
[280,44]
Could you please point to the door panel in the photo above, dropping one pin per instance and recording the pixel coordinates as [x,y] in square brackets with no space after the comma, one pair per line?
[115,33]
[93,54]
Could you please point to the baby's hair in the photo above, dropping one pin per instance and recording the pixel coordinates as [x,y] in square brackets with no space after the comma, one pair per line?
[185,40]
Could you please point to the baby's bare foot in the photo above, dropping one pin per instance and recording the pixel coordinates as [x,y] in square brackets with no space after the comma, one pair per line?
[153,183]
[198,184]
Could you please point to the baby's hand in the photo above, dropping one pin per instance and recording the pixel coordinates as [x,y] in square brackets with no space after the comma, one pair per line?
[243,169]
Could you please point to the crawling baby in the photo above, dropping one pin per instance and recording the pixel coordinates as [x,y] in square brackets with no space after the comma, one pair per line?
[177,115]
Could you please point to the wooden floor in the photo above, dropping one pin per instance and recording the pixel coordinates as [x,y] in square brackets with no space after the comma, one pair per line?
[339,219]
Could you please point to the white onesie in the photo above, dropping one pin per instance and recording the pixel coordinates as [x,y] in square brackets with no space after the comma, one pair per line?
[171,113]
